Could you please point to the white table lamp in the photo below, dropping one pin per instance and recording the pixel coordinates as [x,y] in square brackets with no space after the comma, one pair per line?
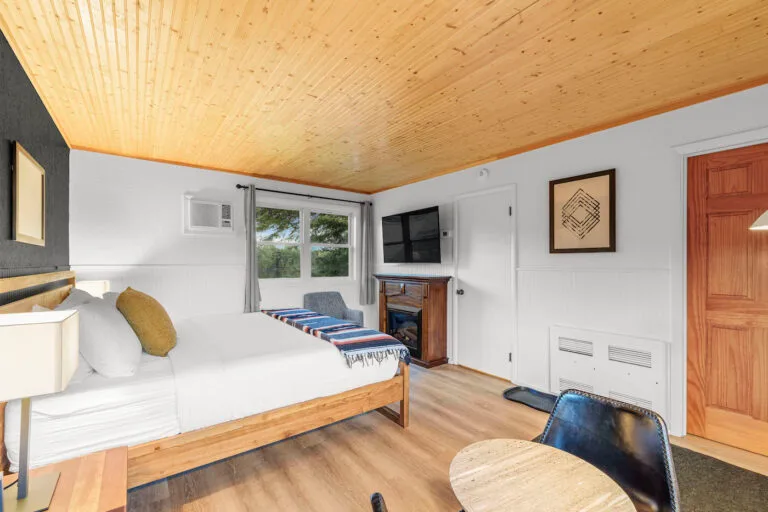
[38,356]
[761,224]
[95,288]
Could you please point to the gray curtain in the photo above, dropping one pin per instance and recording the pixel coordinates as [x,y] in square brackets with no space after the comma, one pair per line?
[252,292]
[367,281]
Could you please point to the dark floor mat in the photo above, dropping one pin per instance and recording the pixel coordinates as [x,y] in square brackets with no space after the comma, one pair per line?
[711,485]
[540,401]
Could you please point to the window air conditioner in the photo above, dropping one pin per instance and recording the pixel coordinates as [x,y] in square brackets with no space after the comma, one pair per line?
[207,217]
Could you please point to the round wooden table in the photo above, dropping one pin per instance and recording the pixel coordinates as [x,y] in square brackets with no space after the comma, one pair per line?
[510,474]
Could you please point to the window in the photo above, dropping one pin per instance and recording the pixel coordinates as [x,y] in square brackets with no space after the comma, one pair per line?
[329,234]
[278,238]
[301,242]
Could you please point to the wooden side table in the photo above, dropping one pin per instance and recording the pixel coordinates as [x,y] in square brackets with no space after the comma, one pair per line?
[93,483]
[509,474]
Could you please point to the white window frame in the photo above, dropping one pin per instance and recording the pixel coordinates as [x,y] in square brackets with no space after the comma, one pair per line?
[305,208]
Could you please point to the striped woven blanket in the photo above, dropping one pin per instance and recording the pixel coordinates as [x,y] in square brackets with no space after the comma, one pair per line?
[356,343]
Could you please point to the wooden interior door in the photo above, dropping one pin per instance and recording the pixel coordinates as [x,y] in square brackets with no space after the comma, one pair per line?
[728,298]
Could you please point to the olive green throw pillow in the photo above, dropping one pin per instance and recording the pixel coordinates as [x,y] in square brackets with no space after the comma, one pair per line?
[149,320]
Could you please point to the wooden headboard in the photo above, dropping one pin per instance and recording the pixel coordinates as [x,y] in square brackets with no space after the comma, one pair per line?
[49,298]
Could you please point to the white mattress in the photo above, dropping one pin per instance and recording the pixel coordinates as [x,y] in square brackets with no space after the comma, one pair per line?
[231,366]
[223,368]
[96,413]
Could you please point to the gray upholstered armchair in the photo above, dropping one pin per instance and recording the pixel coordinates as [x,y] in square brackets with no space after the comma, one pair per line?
[332,304]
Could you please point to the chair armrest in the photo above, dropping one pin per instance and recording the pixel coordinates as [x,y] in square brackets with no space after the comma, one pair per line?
[377,501]
[354,315]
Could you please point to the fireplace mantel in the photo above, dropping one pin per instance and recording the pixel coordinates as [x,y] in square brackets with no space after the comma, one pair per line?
[415,278]
[427,298]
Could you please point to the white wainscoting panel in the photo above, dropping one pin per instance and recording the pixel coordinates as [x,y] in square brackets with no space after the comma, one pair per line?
[193,290]
[425,269]
[627,368]
[631,302]
[184,290]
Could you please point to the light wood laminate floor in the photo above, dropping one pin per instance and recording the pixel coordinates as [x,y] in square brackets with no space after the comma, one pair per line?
[336,468]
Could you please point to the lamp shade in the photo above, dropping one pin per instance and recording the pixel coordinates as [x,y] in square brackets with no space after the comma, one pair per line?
[39,353]
[761,223]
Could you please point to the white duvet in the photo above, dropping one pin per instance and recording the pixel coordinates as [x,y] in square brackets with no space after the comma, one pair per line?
[95,413]
[239,365]
[223,368]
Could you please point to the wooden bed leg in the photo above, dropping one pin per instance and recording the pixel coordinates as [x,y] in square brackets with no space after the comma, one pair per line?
[403,418]
[405,403]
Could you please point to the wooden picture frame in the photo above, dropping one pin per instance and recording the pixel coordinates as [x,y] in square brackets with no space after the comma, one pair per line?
[582,213]
[28,198]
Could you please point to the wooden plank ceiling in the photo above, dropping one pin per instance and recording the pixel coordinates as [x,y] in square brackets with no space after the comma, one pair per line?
[365,95]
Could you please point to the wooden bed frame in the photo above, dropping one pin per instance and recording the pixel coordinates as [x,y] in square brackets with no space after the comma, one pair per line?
[169,456]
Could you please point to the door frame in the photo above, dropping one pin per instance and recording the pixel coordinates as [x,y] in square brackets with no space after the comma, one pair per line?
[512,190]
[678,388]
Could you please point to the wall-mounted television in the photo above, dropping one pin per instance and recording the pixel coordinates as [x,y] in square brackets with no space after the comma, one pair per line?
[412,237]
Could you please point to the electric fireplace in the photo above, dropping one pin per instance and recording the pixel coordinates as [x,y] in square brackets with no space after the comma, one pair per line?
[404,324]
[413,309]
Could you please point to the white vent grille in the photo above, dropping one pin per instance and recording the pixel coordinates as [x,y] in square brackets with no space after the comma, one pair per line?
[572,384]
[630,356]
[627,368]
[640,402]
[585,348]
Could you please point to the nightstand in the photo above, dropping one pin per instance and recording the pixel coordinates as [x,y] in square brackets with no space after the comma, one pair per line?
[93,483]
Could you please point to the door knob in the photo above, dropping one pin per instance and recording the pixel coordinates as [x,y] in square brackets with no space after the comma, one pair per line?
[459,292]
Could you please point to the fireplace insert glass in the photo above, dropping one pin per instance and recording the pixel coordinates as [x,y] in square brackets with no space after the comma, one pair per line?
[406,327]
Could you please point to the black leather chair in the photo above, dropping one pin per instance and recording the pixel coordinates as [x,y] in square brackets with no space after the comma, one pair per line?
[377,503]
[628,443]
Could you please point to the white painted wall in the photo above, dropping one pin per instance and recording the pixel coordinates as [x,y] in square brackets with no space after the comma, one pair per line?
[126,226]
[637,291]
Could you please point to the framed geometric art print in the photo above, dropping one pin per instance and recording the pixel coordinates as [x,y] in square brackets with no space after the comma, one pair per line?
[28,198]
[582,213]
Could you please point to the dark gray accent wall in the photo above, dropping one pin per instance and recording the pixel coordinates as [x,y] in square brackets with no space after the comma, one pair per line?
[24,118]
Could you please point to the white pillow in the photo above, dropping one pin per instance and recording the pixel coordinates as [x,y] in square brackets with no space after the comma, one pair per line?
[75,298]
[111,298]
[83,368]
[107,341]
[83,371]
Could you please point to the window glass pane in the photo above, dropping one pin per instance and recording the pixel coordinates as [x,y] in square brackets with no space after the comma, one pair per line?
[278,225]
[330,261]
[278,261]
[326,228]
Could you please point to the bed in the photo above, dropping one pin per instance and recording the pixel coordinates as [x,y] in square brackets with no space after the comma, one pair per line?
[208,400]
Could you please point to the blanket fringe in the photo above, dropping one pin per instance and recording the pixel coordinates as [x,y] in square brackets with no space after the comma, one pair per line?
[376,356]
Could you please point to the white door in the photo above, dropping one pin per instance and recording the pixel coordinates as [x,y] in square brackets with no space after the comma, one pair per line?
[485,269]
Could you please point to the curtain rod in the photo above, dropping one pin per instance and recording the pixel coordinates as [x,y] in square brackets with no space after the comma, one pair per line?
[308,196]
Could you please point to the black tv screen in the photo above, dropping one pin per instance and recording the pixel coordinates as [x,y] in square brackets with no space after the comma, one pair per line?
[412,237]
